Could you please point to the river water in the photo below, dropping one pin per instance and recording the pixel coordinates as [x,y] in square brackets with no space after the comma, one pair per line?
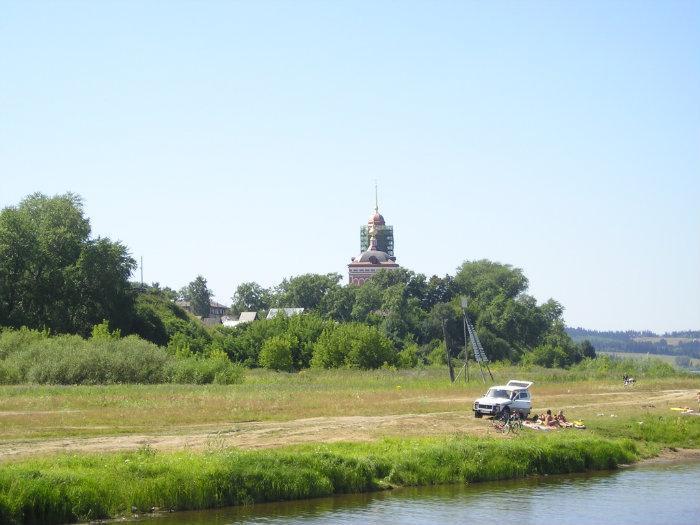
[640,495]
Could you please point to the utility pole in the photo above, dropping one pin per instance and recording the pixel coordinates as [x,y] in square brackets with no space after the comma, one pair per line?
[463,302]
[447,351]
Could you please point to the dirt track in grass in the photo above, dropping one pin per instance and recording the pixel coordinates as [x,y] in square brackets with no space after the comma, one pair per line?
[263,434]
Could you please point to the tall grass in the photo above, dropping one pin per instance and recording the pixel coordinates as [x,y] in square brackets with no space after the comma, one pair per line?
[656,430]
[70,488]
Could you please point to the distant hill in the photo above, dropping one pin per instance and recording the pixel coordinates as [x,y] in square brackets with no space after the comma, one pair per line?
[683,343]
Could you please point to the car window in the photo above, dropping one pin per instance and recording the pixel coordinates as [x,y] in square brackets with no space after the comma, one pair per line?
[494,392]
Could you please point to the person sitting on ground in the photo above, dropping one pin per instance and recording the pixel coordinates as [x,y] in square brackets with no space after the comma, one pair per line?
[561,419]
[549,419]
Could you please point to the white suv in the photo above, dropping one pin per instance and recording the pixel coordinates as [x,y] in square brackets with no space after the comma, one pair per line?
[513,397]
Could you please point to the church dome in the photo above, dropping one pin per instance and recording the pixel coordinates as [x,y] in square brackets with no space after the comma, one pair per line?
[376,219]
[374,257]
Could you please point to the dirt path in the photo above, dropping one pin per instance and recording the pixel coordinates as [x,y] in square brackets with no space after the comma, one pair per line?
[253,435]
[258,434]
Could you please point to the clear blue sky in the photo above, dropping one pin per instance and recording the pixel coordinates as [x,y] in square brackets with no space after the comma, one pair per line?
[241,140]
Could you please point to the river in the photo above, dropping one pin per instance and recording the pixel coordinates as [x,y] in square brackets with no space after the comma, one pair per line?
[640,495]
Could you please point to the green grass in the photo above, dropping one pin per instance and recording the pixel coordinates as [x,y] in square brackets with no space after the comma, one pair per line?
[68,488]
[72,487]
[47,411]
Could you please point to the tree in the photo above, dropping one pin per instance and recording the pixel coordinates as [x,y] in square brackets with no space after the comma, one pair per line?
[438,290]
[250,297]
[353,345]
[306,291]
[199,296]
[52,275]
[276,353]
[338,302]
[587,349]
[486,279]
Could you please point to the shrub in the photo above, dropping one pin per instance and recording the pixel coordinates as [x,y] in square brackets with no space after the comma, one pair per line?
[101,332]
[31,356]
[197,369]
[14,340]
[409,357]
[353,345]
[276,353]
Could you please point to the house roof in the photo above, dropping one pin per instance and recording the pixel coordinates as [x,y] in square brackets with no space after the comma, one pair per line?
[288,312]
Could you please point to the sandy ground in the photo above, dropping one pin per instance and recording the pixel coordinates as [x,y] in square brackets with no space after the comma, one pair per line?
[674,456]
[253,435]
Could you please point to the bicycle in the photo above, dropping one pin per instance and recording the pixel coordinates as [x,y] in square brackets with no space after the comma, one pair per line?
[507,422]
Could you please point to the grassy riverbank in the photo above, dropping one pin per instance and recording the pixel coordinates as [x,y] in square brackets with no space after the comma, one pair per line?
[69,488]
[217,445]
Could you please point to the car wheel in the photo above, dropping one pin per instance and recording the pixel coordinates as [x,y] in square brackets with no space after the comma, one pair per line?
[505,411]
[478,414]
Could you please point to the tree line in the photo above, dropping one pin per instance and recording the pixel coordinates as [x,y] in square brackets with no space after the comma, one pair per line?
[55,276]
[626,341]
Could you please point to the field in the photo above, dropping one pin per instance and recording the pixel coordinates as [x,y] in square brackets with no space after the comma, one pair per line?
[671,341]
[694,362]
[78,453]
[278,409]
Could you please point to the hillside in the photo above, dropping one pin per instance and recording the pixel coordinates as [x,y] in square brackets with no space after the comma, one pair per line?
[679,344]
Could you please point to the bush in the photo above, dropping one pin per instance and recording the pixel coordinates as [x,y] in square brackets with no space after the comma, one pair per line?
[70,359]
[409,357]
[31,356]
[197,369]
[547,355]
[353,345]
[13,340]
[101,332]
[276,353]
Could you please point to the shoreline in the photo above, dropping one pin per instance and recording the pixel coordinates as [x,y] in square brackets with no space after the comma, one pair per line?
[74,488]
[670,456]
[667,456]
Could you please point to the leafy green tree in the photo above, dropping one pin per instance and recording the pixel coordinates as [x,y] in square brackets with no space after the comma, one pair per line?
[368,300]
[353,345]
[306,291]
[53,275]
[304,331]
[587,350]
[250,297]
[276,353]
[338,302]
[101,332]
[199,296]
[401,313]
[438,290]
[157,318]
[484,280]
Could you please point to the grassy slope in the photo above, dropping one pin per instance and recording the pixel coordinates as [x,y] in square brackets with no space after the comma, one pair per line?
[70,488]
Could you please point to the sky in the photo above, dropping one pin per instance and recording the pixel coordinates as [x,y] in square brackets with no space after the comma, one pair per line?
[242,140]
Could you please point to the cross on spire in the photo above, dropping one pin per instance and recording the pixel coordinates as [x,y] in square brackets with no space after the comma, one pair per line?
[376,197]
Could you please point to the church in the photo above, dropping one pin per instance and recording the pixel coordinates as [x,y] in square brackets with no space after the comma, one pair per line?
[377,249]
